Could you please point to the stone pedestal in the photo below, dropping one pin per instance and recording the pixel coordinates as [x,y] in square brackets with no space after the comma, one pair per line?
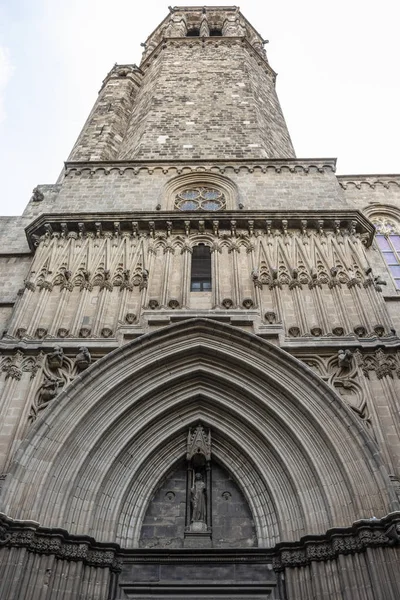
[197,536]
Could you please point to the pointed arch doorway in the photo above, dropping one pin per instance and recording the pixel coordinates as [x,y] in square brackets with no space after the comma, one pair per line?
[91,466]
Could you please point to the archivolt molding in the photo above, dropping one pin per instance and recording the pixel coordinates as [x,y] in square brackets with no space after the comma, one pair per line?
[99,450]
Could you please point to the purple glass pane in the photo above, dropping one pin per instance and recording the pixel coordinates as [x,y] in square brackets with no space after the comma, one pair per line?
[395,239]
[383,242]
[395,271]
[391,258]
[188,205]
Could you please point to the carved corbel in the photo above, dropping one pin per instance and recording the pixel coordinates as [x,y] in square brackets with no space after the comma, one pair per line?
[353,280]
[334,281]
[135,229]
[274,279]
[314,282]
[320,231]
[285,232]
[29,285]
[294,282]
[81,230]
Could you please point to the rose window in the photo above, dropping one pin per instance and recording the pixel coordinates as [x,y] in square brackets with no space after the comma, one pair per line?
[200,198]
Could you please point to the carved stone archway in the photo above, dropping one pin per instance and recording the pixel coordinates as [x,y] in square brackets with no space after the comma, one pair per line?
[91,463]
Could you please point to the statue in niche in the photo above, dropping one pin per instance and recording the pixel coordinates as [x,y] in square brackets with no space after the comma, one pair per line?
[198,499]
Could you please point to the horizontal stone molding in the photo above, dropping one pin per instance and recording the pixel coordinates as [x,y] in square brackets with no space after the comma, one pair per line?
[289,165]
[40,540]
[363,534]
[344,222]
[371,181]
[366,533]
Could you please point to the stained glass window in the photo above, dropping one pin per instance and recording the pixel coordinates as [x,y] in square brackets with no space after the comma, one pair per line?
[388,239]
[200,198]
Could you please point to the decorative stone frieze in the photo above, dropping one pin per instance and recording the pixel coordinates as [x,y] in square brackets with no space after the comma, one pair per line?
[365,534]
[29,535]
[368,533]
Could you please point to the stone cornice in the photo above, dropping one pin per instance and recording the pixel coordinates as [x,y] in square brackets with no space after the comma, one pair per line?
[40,540]
[363,534]
[372,181]
[277,165]
[347,221]
[366,533]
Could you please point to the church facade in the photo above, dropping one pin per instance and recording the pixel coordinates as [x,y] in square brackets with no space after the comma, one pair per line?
[199,348]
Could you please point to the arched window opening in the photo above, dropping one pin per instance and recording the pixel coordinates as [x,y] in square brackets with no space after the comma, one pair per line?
[216,32]
[388,239]
[194,32]
[201,269]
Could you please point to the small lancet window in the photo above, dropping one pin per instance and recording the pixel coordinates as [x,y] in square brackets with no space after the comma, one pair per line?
[194,32]
[201,269]
[215,32]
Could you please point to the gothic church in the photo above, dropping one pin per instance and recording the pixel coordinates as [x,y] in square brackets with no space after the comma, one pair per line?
[199,348]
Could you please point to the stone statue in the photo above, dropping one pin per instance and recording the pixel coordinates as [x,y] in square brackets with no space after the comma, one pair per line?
[49,390]
[344,358]
[56,358]
[83,358]
[198,499]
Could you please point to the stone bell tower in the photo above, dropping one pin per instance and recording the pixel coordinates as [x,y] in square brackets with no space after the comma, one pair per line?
[225,108]
[199,357]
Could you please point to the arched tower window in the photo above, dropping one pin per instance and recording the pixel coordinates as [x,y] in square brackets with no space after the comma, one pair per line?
[201,269]
[388,239]
[206,192]
[193,32]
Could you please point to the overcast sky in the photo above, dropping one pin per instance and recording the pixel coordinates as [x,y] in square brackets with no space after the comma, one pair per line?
[337,63]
